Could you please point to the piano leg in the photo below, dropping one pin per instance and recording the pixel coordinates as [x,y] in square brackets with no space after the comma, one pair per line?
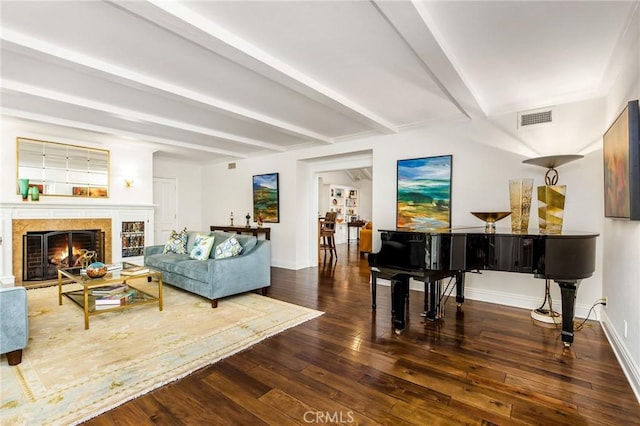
[374,277]
[432,293]
[568,291]
[459,288]
[399,292]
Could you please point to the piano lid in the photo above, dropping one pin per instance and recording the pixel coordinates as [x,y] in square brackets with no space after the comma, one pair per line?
[480,230]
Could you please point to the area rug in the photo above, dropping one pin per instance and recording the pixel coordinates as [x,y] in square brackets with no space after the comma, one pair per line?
[69,374]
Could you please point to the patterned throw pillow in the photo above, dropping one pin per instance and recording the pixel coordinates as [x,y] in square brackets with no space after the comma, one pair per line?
[228,248]
[201,247]
[177,242]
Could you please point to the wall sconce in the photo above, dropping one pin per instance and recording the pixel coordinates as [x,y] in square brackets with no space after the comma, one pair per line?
[129,174]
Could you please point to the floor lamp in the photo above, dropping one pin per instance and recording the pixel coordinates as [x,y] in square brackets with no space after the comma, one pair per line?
[550,216]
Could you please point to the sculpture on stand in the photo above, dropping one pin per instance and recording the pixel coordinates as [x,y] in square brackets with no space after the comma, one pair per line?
[550,216]
[551,196]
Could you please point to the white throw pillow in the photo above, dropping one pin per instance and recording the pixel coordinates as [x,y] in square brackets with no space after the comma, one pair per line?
[201,247]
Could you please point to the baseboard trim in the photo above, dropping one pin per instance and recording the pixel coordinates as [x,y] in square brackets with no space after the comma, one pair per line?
[629,366]
[7,281]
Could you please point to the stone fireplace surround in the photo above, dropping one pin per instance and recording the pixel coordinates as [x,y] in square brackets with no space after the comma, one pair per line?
[22,226]
[18,218]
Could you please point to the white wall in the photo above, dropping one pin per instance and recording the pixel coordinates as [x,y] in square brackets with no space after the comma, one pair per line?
[621,272]
[480,182]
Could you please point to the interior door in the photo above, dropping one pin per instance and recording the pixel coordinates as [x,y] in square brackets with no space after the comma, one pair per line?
[166,207]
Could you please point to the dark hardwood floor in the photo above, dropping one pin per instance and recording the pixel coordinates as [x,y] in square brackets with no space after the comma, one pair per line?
[483,364]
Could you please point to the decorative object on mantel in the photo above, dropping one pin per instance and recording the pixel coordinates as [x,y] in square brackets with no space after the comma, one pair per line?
[520,191]
[231,219]
[69,168]
[34,192]
[490,219]
[248,217]
[23,185]
[551,196]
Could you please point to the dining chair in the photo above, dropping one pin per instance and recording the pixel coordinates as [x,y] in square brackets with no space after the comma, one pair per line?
[327,234]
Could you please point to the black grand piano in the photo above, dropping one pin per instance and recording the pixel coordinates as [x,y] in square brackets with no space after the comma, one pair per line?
[431,257]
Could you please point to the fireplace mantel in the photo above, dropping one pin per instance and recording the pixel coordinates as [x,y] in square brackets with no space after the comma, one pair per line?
[41,213]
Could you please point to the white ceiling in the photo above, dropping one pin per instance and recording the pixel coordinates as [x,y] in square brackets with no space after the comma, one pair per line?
[225,80]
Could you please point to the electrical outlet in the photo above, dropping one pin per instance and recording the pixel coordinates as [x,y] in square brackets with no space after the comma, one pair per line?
[625,329]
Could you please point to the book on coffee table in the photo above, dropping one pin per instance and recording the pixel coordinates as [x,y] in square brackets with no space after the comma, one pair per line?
[109,289]
[114,266]
[118,299]
[136,270]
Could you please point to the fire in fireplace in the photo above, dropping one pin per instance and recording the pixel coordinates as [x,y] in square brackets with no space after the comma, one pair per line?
[46,251]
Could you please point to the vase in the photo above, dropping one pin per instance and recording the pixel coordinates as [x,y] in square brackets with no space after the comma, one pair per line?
[35,193]
[23,184]
[520,191]
[551,208]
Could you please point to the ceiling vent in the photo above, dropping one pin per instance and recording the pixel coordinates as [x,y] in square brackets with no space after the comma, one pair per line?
[526,119]
[231,166]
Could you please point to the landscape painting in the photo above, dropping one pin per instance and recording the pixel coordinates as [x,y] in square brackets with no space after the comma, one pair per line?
[265,198]
[424,193]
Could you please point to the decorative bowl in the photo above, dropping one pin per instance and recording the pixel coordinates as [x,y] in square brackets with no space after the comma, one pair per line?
[96,270]
[490,219]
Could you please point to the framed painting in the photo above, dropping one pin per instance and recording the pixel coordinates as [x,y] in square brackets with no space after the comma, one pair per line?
[89,191]
[424,193]
[265,198]
[621,153]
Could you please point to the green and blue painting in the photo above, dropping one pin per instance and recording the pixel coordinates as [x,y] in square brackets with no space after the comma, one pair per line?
[265,198]
[424,193]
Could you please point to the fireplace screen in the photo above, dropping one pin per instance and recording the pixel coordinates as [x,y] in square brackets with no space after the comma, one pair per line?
[46,251]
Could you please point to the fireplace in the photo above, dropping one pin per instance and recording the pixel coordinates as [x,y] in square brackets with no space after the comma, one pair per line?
[46,251]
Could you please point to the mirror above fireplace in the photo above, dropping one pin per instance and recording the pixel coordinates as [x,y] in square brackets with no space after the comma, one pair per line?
[64,170]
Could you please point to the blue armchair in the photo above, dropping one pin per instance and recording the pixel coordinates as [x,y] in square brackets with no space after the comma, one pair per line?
[14,328]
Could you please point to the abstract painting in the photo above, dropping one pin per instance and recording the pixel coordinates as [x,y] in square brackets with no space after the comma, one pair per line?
[424,193]
[265,198]
[621,152]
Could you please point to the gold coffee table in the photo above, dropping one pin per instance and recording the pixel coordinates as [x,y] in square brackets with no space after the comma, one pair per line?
[84,298]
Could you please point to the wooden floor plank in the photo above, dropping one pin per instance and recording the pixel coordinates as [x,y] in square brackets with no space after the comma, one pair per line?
[481,364]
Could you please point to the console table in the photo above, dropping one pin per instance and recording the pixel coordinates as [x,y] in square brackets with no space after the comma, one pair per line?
[243,230]
[355,224]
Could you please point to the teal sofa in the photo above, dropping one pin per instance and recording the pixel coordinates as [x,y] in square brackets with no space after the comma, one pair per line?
[215,278]
[14,323]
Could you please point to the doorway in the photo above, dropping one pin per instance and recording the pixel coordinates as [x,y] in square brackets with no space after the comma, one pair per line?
[343,164]
[165,202]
